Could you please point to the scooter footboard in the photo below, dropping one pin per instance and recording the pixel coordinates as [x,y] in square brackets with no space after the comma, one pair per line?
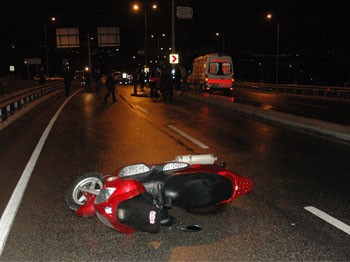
[198,190]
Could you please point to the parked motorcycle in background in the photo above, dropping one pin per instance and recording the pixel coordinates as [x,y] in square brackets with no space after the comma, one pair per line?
[140,196]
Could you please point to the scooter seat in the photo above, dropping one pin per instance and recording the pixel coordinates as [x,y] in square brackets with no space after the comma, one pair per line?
[197,190]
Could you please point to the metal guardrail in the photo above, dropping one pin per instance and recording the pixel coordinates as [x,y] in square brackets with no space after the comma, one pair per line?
[326,91]
[10,104]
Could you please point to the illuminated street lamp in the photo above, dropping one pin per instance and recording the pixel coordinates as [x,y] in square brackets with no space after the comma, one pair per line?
[53,19]
[137,7]
[270,17]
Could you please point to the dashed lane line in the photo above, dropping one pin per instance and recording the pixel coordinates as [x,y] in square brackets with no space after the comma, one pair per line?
[193,140]
[329,219]
[141,109]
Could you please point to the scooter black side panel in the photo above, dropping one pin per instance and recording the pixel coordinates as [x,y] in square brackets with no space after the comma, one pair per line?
[140,213]
[197,190]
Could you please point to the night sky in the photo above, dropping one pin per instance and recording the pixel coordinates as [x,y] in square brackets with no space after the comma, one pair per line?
[307,26]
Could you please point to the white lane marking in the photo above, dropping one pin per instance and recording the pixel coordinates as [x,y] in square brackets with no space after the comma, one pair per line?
[310,105]
[193,140]
[142,109]
[331,220]
[9,214]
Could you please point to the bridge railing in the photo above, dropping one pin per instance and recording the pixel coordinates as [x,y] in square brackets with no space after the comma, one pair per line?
[326,91]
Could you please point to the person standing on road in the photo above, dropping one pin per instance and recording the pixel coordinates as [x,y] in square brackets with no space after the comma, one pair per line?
[42,77]
[166,83]
[142,78]
[110,85]
[67,81]
[183,80]
[98,81]
[87,81]
[135,79]
[154,83]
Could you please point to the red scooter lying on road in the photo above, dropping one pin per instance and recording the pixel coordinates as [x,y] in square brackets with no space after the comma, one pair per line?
[139,196]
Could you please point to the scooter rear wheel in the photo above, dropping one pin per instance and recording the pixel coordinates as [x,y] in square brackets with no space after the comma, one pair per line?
[91,181]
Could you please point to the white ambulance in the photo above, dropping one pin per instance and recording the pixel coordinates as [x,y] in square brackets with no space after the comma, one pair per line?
[212,72]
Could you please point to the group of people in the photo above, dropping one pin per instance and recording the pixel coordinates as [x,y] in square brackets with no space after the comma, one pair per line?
[160,79]
[109,82]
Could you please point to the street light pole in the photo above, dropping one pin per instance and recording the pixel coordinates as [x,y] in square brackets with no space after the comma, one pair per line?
[223,44]
[89,52]
[158,44]
[46,46]
[269,16]
[146,33]
[173,26]
[136,7]
[277,48]
[46,51]
[223,41]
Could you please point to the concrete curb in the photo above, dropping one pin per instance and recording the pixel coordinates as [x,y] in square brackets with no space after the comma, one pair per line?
[334,130]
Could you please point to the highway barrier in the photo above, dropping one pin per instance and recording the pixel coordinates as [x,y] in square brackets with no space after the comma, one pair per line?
[13,103]
[326,91]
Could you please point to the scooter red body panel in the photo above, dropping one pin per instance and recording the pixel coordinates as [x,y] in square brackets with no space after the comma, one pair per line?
[107,210]
[88,209]
[137,197]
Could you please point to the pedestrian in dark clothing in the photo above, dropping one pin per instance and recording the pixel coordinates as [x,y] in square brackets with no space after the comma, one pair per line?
[142,78]
[87,81]
[42,77]
[98,81]
[154,83]
[184,75]
[166,83]
[178,78]
[110,85]
[67,81]
[135,79]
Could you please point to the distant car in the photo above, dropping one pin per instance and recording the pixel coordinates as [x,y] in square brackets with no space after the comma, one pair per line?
[125,79]
[80,76]
[130,79]
[122,78]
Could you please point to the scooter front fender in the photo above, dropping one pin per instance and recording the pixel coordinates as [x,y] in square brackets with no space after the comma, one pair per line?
[88,209]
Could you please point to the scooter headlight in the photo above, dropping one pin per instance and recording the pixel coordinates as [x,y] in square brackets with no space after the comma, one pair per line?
[104,194]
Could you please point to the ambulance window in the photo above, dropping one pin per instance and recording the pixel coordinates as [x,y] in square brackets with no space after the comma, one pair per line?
[226,68]
[213,68]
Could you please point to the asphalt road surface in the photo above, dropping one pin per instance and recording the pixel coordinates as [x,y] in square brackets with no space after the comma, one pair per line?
[298,209]
[326,109]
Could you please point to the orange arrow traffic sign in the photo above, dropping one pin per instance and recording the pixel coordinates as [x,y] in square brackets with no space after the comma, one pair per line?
[174,58]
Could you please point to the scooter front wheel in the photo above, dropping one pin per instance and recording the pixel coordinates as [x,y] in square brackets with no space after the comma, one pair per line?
[75,197]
